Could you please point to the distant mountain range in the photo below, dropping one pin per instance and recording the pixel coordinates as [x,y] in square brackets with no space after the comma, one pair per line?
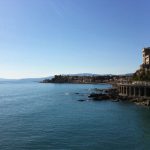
[81,74]
[91,74]
[50,77]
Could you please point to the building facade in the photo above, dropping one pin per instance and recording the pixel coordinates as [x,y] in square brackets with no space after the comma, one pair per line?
[140,87]
[146,56]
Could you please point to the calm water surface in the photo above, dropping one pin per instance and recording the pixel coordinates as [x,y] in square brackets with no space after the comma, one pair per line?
[36,116]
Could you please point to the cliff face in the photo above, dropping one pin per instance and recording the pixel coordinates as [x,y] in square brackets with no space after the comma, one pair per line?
[143,74]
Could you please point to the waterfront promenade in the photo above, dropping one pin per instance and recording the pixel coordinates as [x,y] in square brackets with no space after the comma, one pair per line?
[135,89]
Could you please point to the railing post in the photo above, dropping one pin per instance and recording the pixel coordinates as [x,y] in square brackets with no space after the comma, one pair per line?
[145,93]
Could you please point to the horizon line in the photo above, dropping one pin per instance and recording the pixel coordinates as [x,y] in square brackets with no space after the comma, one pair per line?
[31,77]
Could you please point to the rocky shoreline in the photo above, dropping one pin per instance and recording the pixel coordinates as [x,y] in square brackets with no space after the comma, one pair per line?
[113,95]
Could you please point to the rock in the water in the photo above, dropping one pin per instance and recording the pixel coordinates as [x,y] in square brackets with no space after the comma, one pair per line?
[77,93]
[148,103]
[81,100]
[117,100]
[99,96]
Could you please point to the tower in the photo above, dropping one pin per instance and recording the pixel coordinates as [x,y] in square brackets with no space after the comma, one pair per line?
[146,56]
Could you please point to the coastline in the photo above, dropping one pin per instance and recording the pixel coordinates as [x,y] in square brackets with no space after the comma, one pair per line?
[112,94]
[122,87]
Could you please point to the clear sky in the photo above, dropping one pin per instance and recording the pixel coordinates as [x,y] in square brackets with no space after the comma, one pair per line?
[46,37]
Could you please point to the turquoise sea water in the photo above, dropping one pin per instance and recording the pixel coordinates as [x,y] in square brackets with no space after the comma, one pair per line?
[36,116]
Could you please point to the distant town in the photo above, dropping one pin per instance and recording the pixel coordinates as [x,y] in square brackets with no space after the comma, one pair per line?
[88,79]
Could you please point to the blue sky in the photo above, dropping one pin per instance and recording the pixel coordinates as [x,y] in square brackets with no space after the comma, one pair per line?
[46,37]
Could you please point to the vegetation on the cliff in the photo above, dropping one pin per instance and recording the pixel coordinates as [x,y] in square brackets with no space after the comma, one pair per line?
[141,75]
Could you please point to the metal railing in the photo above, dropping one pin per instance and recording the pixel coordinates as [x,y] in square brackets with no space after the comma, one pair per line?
[141,83]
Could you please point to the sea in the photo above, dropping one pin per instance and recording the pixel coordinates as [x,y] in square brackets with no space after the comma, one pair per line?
[37,116]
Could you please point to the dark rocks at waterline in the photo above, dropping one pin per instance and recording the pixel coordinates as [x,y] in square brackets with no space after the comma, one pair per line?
[113,95]
[143,102]
[137,100]
[96,96]
[117,98]
[101,97]
[147,103]
[77,93]
[93,95]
